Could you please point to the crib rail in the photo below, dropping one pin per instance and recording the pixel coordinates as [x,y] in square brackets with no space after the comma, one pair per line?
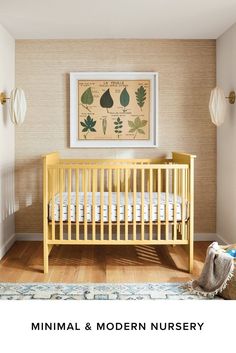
[155,196]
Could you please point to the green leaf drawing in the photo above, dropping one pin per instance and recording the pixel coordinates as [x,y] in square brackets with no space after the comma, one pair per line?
[136,126]
[141,96]
[104,125]
[124,98]
[87,98]
[88,125]
[118,127]
[106,100]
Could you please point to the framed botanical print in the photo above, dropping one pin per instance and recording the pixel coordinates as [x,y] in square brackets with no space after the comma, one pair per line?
[111,109]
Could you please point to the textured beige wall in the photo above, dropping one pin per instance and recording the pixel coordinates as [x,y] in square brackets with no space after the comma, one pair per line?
[186,75]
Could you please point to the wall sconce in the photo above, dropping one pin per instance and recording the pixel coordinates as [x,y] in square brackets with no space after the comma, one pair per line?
[17,105]
[218,106]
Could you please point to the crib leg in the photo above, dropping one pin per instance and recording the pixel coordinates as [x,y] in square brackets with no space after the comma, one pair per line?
[45,258]
[47,250]
[190,264]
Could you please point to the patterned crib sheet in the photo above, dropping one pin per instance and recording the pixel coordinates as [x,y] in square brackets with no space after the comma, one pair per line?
[114,210]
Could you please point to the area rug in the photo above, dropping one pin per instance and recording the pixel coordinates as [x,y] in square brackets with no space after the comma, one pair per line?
[59,291]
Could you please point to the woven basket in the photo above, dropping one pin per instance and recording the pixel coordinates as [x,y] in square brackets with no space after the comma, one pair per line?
[230,291]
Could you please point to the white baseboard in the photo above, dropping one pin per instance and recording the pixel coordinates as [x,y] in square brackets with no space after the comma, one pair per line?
[221,240]
[39,237]
[205,237]
[29,236]
[8,244]
[210,237]
[197,237]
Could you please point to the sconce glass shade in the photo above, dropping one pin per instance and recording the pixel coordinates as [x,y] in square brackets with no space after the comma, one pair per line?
[217,106]
[17,106]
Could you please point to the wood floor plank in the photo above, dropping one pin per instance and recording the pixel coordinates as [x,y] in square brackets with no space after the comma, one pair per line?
[100,264]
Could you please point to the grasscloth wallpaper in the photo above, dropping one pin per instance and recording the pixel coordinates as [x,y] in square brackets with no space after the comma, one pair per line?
[186,75]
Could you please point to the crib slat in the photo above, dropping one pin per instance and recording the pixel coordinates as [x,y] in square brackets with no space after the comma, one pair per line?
[109,204]
[53,202]
[61,202]
[69,204]
[85,204]
[167,205]
[101,204]
[126,204]
[159,204]
[122,179]
[147,173]
[179,179]
[183,203]
[82,179]
[89,171]
[77,202]
[150,202]
[134,202]
[94,204]
[118,203]
[142,204]
[175,205]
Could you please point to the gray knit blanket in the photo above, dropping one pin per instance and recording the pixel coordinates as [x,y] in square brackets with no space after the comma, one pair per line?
[217,271]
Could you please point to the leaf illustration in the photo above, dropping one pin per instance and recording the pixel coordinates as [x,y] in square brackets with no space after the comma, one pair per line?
[131,124]
[136,126]
[118,127]
[88,125]
[106,100]
[137,122]
[143,123]
[87,98]
[124,98]
[140,96]
[104,125]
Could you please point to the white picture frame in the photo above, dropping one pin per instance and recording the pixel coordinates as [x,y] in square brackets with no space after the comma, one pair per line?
[75,142]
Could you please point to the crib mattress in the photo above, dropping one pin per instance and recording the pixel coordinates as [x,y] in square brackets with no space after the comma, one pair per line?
[114,207]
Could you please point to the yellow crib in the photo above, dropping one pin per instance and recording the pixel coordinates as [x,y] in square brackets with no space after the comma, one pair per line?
[133,201]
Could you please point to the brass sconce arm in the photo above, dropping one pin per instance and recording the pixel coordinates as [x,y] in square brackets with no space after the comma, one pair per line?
[3,98]
[231,97]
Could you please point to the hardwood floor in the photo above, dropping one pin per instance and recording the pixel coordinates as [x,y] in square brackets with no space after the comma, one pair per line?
[73,264]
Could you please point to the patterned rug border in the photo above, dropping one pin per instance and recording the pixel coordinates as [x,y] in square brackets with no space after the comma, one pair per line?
[97,291]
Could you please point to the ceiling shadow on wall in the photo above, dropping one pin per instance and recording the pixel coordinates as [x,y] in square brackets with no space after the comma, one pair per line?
[7,192]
